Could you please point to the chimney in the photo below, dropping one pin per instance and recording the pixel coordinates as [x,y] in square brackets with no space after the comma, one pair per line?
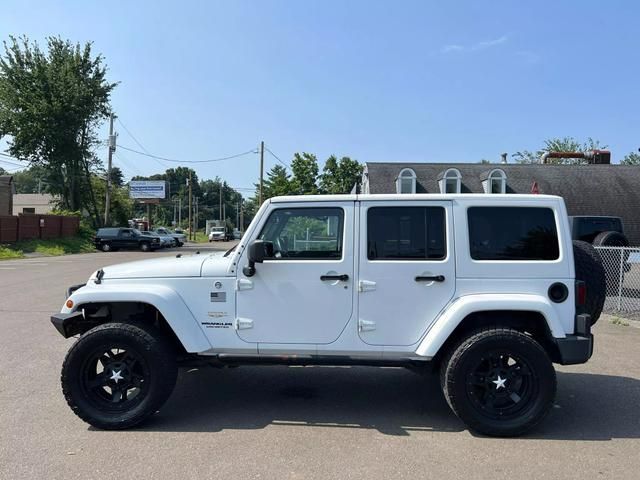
[593,156]
[504,158]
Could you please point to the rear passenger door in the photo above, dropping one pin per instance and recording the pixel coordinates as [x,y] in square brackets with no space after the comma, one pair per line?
[406,269]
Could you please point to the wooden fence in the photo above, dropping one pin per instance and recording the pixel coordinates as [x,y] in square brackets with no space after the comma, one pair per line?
[28,226]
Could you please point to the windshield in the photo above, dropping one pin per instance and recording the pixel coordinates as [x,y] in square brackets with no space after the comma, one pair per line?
[136,231]
[217,229]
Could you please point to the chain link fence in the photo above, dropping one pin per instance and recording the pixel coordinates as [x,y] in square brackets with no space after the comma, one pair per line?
[622,271]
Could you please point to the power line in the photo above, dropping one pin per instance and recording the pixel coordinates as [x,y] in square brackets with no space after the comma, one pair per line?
[276,157]
[139,144]
[126,162]
[188,161]
[12,163]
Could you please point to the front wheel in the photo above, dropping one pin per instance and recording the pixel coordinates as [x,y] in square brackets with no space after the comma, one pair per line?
[117,375]
[499,382]
[106,247]
[145,247]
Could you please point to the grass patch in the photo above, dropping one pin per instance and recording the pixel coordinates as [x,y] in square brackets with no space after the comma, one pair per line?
[7,253]
[619,321]
[56,246]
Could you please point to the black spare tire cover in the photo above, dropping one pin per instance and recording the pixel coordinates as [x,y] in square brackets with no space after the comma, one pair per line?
[589,269]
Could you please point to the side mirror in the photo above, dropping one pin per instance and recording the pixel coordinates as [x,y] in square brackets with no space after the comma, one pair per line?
[258,251]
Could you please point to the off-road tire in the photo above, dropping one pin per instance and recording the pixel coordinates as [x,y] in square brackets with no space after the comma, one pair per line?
[589,269]
[614,239]
[145,247]
[611,239]
[105,247]
[153,349]
[458,369]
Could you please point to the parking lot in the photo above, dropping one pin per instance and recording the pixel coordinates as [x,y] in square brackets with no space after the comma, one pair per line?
[296,422]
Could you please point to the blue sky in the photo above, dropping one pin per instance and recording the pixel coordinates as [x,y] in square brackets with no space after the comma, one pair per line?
[377,81]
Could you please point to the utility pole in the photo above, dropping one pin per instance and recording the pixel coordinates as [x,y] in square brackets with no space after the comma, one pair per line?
[261,173]
[220,211]
[195,218]
[190,206]
[175,207]
[241,228]
[112,148]
[180,212]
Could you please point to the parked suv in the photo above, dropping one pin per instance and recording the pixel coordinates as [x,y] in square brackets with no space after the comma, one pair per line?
[487,290]
[108,239]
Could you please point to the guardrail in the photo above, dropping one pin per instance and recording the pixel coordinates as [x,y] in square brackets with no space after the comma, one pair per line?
[622,272]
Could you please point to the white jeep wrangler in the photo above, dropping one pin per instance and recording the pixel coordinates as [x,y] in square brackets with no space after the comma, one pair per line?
[487,289]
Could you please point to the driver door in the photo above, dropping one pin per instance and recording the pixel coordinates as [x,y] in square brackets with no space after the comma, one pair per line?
[294,297]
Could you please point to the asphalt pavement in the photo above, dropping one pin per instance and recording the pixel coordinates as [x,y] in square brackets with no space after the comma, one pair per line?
[295,422]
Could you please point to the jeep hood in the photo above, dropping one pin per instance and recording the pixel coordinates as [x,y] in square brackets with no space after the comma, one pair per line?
[168,267]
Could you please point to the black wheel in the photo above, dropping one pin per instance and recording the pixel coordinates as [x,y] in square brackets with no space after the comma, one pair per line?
[117,375]
[613,256]
[611,239]
[499,382]
[589,269]
[105,247]
[145,247]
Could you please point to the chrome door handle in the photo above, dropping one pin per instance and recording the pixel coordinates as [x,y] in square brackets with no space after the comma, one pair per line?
[433,278]
[343,278]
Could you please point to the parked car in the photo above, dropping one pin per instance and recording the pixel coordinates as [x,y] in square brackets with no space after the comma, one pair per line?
[237,234]
[180,238]
[489,290]
[108,239]
[219,234]
[165,241]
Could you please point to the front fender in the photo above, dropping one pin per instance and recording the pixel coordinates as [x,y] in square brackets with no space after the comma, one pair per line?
[461,307]
[166,300]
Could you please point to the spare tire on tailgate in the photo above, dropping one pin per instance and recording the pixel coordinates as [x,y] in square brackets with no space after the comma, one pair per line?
[589,269]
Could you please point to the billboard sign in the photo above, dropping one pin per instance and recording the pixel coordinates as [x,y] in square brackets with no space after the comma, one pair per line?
[140,189]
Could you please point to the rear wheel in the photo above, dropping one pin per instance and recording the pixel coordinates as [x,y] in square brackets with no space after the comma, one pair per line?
[499,382]
[117,375]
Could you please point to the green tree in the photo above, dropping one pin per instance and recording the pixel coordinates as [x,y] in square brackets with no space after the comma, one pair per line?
[631,158]
[117,177]
[277,183]
[340,177]
[565,144]
[305,174]
[31,180]
[51,104]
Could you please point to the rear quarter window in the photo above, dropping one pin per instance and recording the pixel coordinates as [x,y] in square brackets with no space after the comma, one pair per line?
[512,233]
[107,232]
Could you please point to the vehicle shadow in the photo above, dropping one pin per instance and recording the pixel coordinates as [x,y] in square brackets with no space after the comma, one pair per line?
[392,401]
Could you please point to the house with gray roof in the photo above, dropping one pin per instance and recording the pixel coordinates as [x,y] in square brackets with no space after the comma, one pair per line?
[593,189]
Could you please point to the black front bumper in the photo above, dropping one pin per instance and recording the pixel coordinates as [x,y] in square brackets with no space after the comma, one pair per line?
[576,348]
[67,323]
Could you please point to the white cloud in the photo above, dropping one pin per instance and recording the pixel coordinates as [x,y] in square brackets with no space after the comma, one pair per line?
[453,48]
[489,43]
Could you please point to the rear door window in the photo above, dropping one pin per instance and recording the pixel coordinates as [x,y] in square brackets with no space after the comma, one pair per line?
[406,233]
[513,233]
